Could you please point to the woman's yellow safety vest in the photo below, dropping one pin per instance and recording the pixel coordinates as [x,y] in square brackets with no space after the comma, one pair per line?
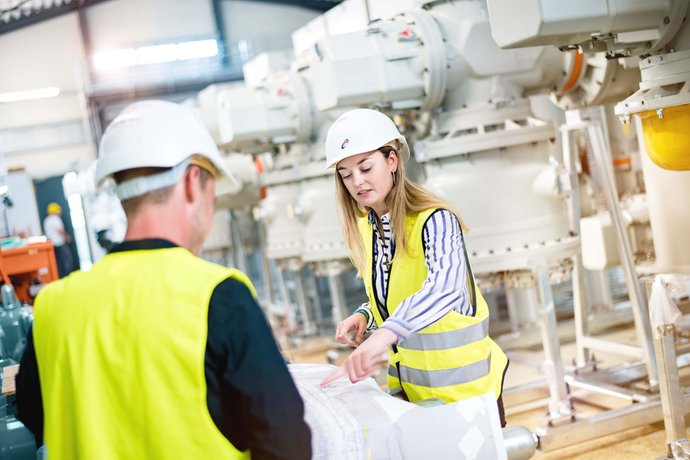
[452,359]
[121,352]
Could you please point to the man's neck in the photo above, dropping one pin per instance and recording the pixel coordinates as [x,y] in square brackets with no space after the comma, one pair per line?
[164,225]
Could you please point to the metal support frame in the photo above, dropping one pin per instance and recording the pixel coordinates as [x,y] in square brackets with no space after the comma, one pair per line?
[528,337]
[580,311]
[585,343]
[602,424]
[643,326]
[671,396]
[580,307]
[560,406]
[647,409]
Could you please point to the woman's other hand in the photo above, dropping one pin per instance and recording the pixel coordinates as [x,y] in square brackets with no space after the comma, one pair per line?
[356,322]
[366,359]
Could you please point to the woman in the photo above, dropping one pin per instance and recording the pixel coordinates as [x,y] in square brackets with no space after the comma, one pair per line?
[408,247]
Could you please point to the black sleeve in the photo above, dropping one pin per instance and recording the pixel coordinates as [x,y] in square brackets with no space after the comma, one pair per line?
[250,394]
[29,402]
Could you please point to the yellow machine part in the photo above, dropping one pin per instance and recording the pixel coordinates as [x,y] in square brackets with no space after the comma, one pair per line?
[668,138]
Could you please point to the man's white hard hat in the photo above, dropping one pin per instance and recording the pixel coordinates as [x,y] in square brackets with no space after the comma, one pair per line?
[359,131]
[155,134]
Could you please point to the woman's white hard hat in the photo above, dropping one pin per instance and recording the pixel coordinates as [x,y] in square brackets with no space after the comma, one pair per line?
[155,134]
[359,131]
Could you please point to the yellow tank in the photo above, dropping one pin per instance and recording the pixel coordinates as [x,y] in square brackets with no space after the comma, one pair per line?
[668,138]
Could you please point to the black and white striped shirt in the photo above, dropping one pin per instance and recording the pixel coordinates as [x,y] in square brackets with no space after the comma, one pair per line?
[445,287]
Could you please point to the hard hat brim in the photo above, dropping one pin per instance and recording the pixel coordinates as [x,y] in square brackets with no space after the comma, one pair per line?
[403,152]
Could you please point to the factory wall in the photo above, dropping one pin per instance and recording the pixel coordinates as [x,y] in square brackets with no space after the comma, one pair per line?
[45,136]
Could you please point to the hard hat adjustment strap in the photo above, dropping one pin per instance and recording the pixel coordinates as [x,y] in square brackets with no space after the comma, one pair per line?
[141,185]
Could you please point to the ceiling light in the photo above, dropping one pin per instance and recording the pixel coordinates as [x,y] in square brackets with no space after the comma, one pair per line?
[156,54]
[114,59]
[39,93]
[197,49]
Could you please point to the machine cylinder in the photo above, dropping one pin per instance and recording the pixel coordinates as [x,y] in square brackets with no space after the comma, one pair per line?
[520,443]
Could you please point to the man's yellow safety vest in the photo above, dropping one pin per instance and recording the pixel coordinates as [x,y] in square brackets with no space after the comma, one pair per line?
[452,359]
[120,353]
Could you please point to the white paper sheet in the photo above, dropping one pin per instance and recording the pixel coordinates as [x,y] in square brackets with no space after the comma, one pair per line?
[360,421]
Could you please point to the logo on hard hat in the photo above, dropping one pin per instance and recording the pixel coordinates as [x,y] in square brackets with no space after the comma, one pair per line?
[344,144]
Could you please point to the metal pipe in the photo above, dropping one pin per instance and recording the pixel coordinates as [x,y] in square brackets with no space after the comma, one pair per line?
[602,388]
[282,287]
[639,304]
[265,262]
[316,300]
[239,256]
[511,301]
[219,21]
[337,297]
[602,424]
[521,299]
[307,324]
[632,351]
[520,443]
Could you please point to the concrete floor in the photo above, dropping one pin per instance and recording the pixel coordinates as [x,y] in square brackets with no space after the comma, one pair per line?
[646,442]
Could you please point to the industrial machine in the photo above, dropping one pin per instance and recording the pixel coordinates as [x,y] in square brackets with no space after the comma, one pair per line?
[485,144]
[274,117]
[468,101]
[654,36]
[16,441]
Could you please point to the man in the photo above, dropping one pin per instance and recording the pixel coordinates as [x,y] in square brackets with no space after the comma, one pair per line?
[156,353]
[55,231]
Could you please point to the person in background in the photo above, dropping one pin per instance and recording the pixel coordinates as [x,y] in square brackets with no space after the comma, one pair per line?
[408,246]
[54,229]
[155,353]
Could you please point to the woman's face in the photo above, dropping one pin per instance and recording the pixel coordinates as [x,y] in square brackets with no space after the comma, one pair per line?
[368,177]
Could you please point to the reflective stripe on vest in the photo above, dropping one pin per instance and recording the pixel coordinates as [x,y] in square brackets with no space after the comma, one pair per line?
[448,339]
[443,377]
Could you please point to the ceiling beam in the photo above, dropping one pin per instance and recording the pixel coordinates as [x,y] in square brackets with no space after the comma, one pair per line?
[318,5]
[33,16]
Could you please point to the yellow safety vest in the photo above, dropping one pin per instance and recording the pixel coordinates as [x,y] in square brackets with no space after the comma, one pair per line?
[452,359]
[120,353]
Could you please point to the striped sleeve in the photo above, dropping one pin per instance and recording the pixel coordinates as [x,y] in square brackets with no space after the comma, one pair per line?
[365,309]
[445,287]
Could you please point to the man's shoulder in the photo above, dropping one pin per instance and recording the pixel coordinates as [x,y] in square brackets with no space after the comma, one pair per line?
[58,287]
[210,270]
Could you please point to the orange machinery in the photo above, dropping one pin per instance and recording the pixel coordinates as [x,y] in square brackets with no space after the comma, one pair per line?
[31,264]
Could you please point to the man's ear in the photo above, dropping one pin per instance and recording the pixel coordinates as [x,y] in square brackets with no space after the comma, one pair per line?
[192,187]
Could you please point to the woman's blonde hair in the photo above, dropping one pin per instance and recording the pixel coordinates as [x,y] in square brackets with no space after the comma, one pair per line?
[405,198]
